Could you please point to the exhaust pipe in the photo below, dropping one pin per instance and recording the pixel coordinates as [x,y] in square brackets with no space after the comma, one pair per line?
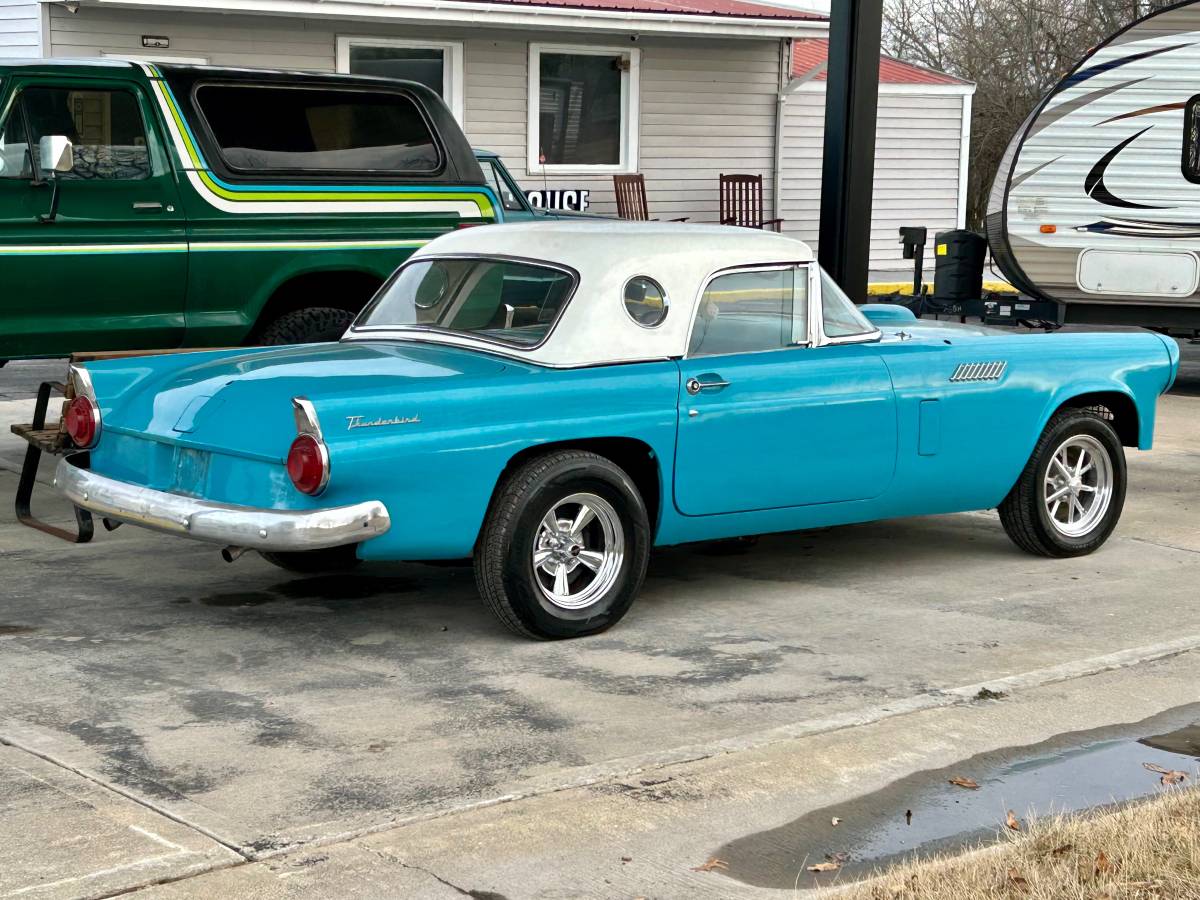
[233,554]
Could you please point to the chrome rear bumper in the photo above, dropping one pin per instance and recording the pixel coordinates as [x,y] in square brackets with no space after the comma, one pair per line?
[280,530]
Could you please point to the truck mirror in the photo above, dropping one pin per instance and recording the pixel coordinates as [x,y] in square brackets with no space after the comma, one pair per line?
[57,153]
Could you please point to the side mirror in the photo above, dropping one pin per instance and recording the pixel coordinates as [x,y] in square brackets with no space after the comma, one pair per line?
[57,154]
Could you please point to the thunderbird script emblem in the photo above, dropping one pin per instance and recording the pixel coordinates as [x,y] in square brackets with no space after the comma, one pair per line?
[361,422]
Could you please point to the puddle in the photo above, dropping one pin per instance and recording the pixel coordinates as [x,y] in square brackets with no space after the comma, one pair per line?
[1069,773]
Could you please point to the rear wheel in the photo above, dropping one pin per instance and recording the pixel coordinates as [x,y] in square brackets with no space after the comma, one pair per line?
[314,562]
[564,550]
[315,325]
[1070,496]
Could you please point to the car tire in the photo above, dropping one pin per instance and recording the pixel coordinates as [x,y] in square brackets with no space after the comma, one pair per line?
[315,325]
[1057,510]
[588,576]
[316,562]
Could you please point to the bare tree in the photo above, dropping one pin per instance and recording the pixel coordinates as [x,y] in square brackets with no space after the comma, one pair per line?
[1016,51]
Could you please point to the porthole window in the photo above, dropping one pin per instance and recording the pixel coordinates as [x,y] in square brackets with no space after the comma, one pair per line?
[646,302]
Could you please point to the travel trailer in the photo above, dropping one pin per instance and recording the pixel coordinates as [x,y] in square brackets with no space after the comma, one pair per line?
[1096,206]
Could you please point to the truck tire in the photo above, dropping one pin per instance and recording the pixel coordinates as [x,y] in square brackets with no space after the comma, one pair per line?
[315,325]
[316,562]
[563,552]
[1069,498]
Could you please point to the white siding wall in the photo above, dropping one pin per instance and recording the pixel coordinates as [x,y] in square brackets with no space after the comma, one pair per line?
[918,149]
[707,106]
[20,29]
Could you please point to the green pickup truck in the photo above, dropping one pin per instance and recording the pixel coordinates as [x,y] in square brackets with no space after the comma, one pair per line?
[158,206]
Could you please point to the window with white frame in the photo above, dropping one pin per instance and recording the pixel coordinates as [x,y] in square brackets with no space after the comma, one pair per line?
[583,109]
[436,64]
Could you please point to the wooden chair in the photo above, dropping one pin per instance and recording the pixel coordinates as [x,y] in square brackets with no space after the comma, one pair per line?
[742,202]
[631,198]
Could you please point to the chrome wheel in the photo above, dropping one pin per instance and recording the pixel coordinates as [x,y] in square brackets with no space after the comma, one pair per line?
[578,552]
[1078,487]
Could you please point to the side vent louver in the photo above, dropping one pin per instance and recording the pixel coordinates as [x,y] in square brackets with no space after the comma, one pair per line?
[991,371]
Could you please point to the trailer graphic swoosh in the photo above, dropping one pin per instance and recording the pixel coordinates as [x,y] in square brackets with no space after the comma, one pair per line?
[1096,188]
[1166,107]
[1080,77]
[1162,231]
[1051,116]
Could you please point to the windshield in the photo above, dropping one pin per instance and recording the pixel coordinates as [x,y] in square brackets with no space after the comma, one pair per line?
[500,300]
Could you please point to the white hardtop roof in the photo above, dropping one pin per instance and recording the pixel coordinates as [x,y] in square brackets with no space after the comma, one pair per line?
[595,328]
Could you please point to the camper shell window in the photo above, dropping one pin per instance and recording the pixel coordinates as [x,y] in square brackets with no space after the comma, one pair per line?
[1191,140]
[269,129]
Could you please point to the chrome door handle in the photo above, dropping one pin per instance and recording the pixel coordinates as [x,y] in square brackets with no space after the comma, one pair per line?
[148,206]
[696,386]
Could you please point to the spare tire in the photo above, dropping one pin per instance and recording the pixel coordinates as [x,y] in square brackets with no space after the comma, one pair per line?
[315,325]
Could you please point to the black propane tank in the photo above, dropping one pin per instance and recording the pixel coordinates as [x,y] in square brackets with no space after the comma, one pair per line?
[960,258]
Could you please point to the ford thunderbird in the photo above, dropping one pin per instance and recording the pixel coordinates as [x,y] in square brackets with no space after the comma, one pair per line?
[555,399]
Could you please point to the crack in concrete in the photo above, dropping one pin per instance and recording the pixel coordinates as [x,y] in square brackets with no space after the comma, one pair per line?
[476,895]
[1162,546]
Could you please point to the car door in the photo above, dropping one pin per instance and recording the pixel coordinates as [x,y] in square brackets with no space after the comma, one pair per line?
[773,411]
[109,270]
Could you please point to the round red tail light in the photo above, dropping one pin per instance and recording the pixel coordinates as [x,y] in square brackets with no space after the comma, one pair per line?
[83,422]
[308,465]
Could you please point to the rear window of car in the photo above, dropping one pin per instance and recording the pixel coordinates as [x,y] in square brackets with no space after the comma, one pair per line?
[297,129]
[501,300]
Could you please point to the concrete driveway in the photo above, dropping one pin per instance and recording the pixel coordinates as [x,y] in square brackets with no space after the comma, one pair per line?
[165,713]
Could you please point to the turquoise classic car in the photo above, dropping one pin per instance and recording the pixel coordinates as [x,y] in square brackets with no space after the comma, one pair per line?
[555,399]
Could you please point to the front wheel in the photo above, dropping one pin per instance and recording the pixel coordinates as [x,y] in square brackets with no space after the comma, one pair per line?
[565,546]
[1071,494]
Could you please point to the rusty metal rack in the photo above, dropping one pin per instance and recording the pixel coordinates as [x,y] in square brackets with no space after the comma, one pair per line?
[52,441]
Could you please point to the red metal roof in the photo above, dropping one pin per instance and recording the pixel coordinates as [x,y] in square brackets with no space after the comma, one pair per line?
[809,53]
[726,8]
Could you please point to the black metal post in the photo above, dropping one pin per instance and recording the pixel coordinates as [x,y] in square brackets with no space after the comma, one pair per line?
[851,110]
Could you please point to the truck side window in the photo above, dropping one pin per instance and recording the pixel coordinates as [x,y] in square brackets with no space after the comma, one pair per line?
[14,147]
[296,129]
[104,126]
[496,182]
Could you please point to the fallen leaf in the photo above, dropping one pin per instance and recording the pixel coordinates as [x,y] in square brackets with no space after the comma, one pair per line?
[1059,852]
[825,867]
[1103,864]
[1017,880]
[959,781]
[835,822]
[1012,821]
[711,865]
[626,859]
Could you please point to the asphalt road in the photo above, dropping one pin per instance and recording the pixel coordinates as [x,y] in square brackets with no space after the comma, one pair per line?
[165,714]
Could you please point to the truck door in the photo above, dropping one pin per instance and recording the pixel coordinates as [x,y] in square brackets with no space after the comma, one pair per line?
[109,271]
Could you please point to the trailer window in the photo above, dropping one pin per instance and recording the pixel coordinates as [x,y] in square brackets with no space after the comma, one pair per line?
[295,129]
[1191,140]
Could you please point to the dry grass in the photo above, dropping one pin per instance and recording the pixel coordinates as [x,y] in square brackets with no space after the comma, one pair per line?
[1147,850]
